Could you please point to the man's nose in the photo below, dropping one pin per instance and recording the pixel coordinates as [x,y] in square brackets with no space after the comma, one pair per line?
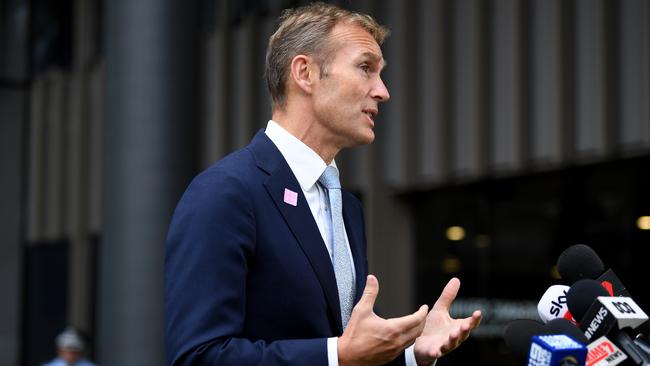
[380,92]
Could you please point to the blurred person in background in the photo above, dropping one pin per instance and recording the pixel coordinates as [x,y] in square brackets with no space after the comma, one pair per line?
[70,349]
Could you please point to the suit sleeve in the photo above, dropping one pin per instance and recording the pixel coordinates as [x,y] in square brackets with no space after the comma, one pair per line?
[210,245]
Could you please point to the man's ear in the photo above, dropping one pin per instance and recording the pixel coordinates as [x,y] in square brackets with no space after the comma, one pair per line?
[303,72]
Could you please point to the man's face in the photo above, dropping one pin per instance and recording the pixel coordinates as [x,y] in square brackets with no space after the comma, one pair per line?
[347,96]
[69,355]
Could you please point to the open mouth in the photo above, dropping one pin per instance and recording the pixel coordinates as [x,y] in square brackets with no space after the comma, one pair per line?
[371,113]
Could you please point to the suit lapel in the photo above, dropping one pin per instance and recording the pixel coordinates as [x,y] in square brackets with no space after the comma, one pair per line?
[299,218]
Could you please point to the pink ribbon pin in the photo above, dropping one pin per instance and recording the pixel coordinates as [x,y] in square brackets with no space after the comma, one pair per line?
[290,197]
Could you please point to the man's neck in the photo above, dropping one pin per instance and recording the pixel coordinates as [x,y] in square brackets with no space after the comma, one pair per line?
[309,132]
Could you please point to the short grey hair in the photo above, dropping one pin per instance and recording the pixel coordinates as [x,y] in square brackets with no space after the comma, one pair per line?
[304,31]
[70,339]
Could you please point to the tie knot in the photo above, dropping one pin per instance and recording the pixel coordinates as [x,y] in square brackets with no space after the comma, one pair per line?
[330,178]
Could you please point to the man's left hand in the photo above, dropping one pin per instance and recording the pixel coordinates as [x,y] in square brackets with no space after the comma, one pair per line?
[442,334]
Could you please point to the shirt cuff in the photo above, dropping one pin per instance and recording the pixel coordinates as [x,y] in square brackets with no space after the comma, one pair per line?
[333,354]
[332,351]
[409,355]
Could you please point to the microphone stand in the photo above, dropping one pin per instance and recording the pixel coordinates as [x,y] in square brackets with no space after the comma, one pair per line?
[631,349]
[642,344]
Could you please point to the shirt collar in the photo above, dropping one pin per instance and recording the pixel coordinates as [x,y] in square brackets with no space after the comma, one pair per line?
[304,162]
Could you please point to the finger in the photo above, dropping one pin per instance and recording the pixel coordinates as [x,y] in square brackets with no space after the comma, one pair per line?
[474,320]
[370,293]
[455,336]
[453,341]
[469,324]
[465,331]
[448,295]
[410,322]
[409,332]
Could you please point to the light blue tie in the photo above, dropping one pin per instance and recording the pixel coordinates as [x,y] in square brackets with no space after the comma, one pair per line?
[341,256]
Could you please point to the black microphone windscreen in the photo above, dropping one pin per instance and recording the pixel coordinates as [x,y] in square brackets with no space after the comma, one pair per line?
[578,262]
[582,294]
[518,334]
[563,326]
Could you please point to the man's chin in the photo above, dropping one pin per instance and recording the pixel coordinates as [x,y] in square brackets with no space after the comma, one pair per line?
[365,139]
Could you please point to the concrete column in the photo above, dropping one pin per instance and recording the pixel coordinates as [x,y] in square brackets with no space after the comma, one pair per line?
[149,158]
[468,116]
[12,103]
[546,78]
[506,89]
[14,96]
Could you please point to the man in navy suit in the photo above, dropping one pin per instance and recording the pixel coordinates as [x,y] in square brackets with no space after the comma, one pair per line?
[249,267]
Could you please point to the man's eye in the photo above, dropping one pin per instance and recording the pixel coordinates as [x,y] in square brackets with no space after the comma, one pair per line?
[365,68]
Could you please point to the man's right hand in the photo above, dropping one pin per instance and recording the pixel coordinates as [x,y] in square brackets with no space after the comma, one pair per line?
[370,340]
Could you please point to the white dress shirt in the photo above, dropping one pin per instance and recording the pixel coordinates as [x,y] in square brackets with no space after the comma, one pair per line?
[308,166]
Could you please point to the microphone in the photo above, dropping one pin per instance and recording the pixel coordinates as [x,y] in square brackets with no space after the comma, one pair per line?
[556,350]
[598,312]
[518,334]
[601,315]
[553,304]
[522,336]
[601,352]
[581,296]
[580,261]
[563,326]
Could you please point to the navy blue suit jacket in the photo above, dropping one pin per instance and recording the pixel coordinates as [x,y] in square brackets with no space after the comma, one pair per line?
[248,279]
